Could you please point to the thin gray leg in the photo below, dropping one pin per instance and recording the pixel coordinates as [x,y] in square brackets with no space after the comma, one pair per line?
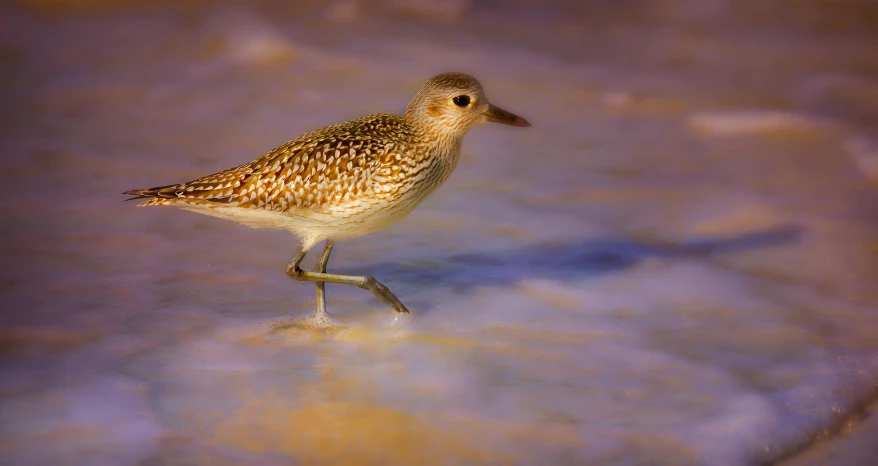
[321,286]
[365,282]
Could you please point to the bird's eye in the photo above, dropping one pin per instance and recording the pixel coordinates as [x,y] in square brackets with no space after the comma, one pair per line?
[461,100]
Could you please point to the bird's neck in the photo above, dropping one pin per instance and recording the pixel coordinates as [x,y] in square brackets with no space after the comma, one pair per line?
[436,131]
[441,144]
[442,141]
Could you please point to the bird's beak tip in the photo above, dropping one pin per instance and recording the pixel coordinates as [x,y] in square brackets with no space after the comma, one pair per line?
[498,115]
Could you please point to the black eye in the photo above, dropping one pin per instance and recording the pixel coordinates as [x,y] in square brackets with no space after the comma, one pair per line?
[461,100]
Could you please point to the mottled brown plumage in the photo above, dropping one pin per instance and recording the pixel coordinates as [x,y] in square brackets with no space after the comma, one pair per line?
[324,167]
[347,179]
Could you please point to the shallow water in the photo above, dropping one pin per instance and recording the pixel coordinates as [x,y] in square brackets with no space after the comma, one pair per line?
[675,265]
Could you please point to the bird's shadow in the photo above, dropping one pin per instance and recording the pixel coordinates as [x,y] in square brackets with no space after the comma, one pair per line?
[556,261]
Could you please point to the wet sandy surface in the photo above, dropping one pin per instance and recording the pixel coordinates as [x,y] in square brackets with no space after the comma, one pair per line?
[675,265]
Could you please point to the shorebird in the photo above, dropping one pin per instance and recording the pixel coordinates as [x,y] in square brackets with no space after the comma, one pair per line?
[347,179]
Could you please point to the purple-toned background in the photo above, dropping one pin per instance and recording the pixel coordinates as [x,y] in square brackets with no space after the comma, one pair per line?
[675,265]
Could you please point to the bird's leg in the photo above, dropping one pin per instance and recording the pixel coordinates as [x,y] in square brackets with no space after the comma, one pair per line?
[365,282]
[321,286]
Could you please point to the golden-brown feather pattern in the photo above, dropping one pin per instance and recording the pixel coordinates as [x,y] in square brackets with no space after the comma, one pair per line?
[318,171]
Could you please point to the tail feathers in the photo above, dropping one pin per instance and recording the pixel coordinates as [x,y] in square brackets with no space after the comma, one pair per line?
[160,192]
[171,194]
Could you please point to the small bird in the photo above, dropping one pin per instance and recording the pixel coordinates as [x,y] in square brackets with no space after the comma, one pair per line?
[347,179]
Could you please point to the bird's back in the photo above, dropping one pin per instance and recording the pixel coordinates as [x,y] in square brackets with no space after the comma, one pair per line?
[322,168]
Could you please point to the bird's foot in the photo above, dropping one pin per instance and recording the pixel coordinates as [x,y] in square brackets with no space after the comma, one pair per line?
[317,321]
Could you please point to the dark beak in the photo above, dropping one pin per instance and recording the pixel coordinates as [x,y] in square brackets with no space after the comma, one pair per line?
[498,115]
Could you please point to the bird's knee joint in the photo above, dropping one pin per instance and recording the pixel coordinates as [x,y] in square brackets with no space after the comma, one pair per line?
[369,283]
[296,273]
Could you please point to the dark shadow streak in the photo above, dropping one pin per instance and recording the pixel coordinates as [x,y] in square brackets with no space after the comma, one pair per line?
[556,261]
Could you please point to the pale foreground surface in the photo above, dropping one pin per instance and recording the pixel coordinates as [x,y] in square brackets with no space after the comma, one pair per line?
[675,265]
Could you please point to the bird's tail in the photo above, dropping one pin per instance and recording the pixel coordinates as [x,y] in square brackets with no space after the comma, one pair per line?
[157,193]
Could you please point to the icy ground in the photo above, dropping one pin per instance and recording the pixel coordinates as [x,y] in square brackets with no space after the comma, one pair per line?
[675,265]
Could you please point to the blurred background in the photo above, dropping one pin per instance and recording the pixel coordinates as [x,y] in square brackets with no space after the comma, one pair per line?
[675,265]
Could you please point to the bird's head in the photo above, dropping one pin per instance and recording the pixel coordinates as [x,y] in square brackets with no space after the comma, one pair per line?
[454,103]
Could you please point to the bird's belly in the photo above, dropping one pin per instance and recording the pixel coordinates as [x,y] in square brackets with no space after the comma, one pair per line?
[364,216]
[386,204]
[311,226]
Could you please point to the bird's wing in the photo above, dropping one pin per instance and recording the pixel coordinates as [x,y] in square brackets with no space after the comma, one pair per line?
[323,170]
[321,167]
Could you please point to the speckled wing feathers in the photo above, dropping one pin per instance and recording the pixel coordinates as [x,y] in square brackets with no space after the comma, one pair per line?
[322,168]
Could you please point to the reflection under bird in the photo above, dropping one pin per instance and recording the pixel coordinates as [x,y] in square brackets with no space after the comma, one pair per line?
[345,180]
